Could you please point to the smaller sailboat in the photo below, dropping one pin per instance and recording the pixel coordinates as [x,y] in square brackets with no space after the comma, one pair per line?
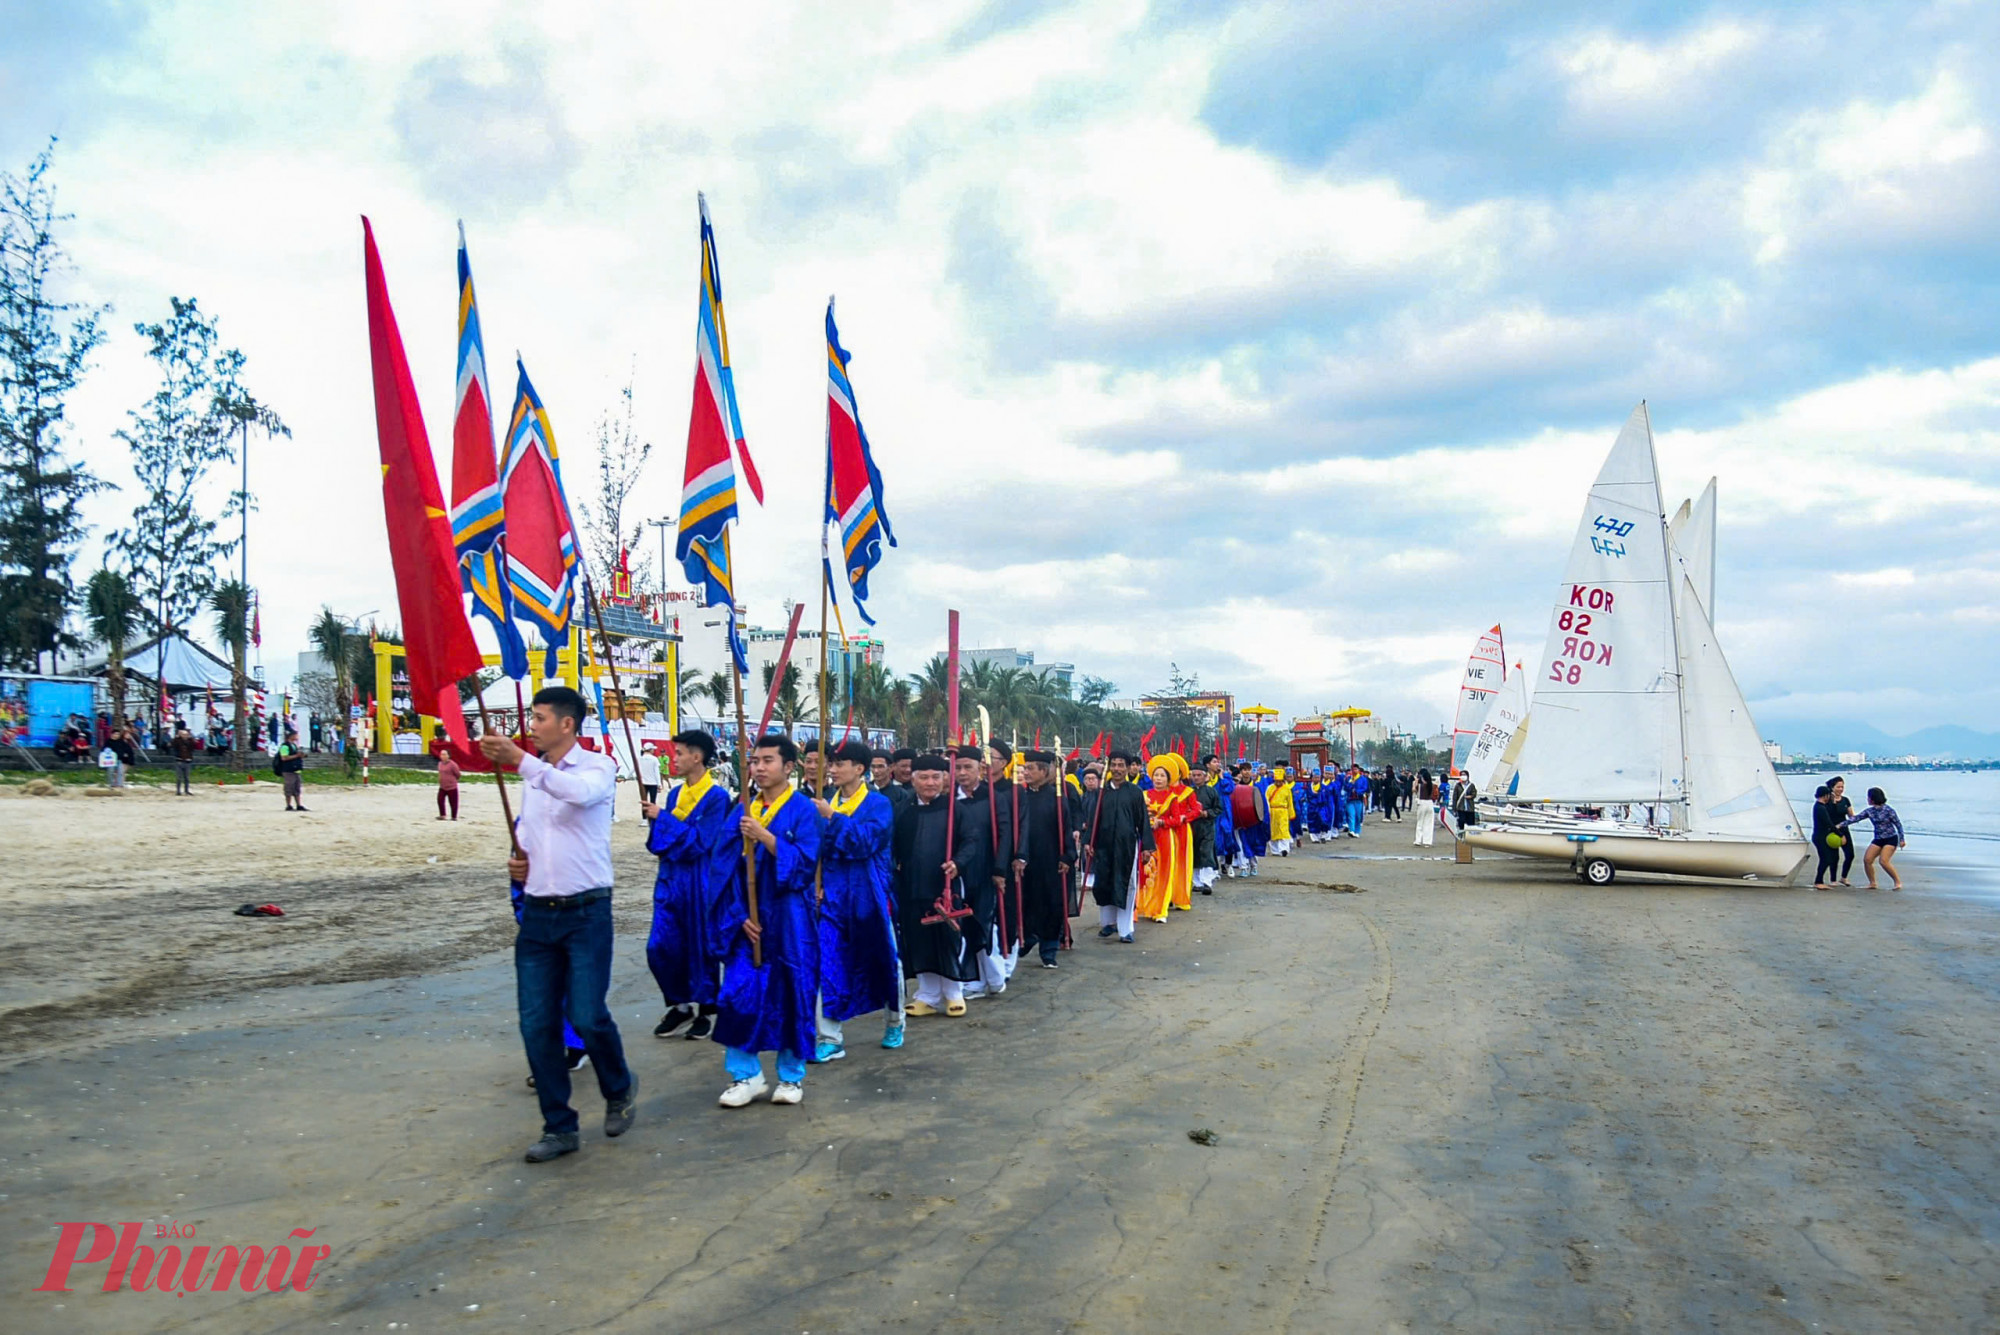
[1639,752]
[1491,764]
[1485,672]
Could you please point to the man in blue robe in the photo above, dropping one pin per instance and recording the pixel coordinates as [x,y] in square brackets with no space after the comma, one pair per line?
[858,965]
[768,1006]
[1225,820]
[1357,798]
[684,833]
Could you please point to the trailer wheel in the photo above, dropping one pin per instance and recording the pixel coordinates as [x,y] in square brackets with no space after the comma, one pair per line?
[1599,871]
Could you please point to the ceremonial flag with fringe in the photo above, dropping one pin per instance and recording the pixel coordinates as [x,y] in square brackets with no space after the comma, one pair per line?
[853,485]
[478,513]
[438,646]
[715,442]
[541,543]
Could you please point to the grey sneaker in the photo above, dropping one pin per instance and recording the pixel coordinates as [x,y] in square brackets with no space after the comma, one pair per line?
[618,1113]
[552,1146]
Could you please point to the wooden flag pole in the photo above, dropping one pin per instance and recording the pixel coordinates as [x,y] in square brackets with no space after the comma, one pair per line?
[499,778]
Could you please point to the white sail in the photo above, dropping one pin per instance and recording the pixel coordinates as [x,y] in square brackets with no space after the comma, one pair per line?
[1731,786]
[1692,535]
[1607,719]
[1487,764]
[1485,671]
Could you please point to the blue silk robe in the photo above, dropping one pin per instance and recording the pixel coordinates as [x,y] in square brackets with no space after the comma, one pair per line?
[768,1007]
[859,970]
[680,951]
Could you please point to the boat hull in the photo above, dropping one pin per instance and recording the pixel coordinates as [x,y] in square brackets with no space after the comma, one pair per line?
[1649,851]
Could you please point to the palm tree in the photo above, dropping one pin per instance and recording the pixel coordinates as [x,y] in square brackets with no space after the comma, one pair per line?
[231,602]
[717,688]
[791,705]
[870,687]
[927,712]
[331,635]
[111,608]
[687,687]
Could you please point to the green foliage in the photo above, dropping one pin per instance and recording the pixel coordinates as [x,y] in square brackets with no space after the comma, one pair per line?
[111,611]
[45,348]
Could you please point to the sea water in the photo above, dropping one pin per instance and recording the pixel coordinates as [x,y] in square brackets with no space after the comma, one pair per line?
[1951,818]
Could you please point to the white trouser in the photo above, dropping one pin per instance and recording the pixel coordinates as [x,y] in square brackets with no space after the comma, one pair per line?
[1427,814]
[1205,876]
[1119,917]
[1280,846]
[934,989]
[828,1031]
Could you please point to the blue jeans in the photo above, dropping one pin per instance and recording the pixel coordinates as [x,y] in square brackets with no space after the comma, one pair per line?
[562,963]
[743,1065]
[1354,813]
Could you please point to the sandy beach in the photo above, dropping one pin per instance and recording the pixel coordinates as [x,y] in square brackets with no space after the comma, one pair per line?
[1468,1098]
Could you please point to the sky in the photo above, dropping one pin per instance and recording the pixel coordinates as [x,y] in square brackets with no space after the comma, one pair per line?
[1277,341]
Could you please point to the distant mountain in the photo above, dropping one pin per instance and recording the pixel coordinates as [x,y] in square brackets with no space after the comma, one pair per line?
[1828,737]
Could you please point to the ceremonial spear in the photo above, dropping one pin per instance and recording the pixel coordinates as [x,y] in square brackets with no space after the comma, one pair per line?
[942,910]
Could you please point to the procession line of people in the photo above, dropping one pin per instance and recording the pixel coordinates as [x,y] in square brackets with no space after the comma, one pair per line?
[894,883]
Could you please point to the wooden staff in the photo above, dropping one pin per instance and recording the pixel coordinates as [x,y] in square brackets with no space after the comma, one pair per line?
[499,778]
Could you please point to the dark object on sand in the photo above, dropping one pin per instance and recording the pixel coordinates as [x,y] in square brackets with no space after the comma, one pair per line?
[1201,1135]
[260,911]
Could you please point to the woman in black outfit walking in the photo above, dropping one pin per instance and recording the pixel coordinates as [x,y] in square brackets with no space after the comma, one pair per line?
[1824,828]
[1841,809]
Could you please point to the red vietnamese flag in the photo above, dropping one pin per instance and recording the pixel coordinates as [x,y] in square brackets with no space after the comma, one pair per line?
[437,640]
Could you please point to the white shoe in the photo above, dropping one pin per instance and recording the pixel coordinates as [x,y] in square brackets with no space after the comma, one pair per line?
[743,1091]
[789,1093]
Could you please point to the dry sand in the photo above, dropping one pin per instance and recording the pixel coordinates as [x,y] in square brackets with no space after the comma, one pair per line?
[1479,1099]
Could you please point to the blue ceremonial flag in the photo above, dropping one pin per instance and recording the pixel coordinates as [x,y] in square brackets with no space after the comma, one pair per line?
[541,543]
[853,486]
[715,442]
[478,513]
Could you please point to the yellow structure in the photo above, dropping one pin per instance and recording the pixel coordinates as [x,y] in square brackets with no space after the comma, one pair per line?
[567,672]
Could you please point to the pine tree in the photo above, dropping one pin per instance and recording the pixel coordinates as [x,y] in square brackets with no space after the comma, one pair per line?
[45,347]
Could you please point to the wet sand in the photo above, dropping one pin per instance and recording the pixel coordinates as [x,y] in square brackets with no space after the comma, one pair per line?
[1471,1098]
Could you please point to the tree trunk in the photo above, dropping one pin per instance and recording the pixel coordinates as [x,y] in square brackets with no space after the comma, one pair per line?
[114,673]
[242,701]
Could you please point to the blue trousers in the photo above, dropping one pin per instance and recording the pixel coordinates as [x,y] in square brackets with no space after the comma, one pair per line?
[562,965]
[1354,812]
[743,1065]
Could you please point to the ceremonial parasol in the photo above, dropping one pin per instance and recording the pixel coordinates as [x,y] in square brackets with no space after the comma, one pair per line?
[1260,713]
[1350,714]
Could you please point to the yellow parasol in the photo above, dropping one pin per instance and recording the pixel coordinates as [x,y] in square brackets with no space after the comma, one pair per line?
[1350,714]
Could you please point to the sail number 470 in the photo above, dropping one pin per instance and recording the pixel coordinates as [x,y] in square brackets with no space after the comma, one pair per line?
[1579,647]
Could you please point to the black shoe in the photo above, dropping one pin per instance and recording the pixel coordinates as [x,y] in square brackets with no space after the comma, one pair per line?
[619,1112]
[1048,962]
[1206,890]
[1107,930]
[673,1020]
[552,1146]
[703,1026]
[578,1058]
[1125,940]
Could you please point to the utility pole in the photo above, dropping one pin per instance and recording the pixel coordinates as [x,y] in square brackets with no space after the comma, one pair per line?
[663,525]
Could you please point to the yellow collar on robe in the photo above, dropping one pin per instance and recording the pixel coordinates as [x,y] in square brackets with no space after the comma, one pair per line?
[762,814]
[690,794]
[848,806]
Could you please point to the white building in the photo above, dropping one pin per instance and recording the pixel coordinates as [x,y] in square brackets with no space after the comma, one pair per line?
[1851,757]
[1022,659]
[1774,752]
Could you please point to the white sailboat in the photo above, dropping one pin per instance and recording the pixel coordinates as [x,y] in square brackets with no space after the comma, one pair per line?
[1491,764]
[1642,755]
[1485,673]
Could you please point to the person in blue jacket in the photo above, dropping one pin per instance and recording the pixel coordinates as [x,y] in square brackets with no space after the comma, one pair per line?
[768,999]
[1357,798]
[859,969]
[683,833]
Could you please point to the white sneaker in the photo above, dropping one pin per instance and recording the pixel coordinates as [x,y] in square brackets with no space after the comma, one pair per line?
[743,1091]
[789,1093]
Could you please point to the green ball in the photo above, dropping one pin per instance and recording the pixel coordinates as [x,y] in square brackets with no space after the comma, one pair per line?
[1835,840]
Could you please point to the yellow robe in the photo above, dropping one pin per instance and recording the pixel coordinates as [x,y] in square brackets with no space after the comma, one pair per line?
[1279,798]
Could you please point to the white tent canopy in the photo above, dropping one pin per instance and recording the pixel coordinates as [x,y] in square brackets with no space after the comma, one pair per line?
[189,667]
